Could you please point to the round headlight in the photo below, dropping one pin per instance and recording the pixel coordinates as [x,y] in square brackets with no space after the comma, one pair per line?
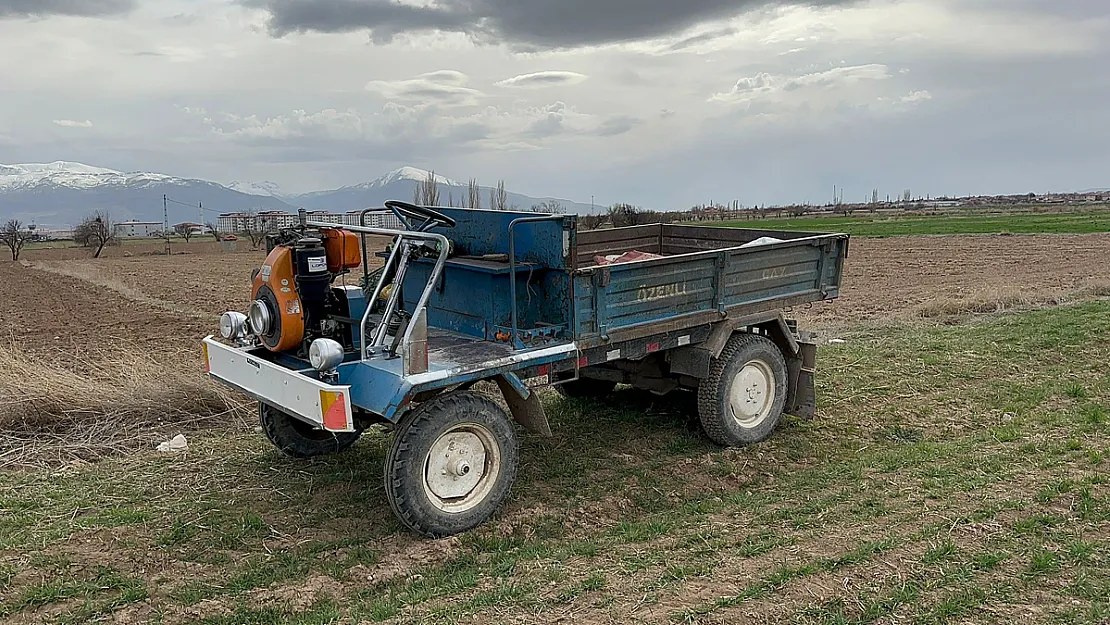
[232,324]
[325,354]
[260,317]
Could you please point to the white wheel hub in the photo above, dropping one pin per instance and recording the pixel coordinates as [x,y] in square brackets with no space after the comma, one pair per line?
[461,468]
[751,395]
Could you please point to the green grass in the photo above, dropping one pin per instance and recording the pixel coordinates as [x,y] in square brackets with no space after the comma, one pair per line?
[970,223]
[950,469]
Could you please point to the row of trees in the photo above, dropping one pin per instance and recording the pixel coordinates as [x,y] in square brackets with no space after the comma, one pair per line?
[98,231]
[427,193]
[95,231]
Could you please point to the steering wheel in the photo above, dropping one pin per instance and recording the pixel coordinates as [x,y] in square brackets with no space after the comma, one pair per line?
[431,218]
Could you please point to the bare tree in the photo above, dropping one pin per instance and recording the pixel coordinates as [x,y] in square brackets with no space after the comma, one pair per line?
[473,194]
[590,222]
[185,231]
[430,190]
[96,231]
[15,236]
[499,197]
[549,206]
[622,215]
[450,198]
[256,227]
[213,229]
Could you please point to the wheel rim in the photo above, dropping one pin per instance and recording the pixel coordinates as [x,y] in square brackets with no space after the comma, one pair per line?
[752,394]
[462,467]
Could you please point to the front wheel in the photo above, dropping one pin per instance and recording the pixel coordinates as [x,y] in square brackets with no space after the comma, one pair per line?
[741,400]
[451,464]
[298,439]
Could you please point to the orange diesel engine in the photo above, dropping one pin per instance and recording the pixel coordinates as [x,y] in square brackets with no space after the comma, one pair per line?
[292,296]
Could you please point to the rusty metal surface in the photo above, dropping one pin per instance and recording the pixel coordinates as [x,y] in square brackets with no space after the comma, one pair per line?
[527,412]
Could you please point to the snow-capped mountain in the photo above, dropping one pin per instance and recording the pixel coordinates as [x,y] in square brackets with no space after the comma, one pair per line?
[31,176]
[409,173]
[404,178]
[399,185]
[61,193]
[264,188]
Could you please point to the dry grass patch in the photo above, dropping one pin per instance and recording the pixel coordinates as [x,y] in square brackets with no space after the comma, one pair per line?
[1002,299]
[53,412]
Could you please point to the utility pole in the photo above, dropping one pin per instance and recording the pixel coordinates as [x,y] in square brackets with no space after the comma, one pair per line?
[166,221]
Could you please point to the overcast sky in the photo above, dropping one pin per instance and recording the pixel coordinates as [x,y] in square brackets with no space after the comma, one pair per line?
[662,103]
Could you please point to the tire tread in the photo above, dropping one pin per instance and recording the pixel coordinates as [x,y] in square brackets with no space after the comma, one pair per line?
[428,418]
[710,390]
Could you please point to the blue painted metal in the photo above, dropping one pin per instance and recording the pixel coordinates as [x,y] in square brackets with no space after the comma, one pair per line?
[518,385]
[486,282]
[356,309]
[715,281]
[515,337]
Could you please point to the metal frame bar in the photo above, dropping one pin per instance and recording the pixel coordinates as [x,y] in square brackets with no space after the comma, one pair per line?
[512,265]
[401,236]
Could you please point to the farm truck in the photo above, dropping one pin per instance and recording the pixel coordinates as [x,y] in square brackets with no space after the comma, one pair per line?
[522,300]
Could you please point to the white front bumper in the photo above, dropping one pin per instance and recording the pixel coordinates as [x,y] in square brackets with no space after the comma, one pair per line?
[324,405]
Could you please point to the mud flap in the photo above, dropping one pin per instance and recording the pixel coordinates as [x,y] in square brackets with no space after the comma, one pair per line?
[524,404]
[802,400]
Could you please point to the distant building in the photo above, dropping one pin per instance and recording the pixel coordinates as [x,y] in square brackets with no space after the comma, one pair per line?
[379,219]
[236,223]
[138,229]
[195,229]
[53,235]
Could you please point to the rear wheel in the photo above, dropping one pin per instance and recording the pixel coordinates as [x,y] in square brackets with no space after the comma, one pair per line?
[451,464]
[586,388]
[298,439]
[741,400]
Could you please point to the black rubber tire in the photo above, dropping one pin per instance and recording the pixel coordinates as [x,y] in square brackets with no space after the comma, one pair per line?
[714,410]
[297,439]
[586,388]
[412,443]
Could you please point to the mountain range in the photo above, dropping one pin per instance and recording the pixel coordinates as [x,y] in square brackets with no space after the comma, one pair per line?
[60,194]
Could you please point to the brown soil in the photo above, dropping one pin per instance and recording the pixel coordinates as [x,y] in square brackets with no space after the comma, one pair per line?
[905,277]
[47,313]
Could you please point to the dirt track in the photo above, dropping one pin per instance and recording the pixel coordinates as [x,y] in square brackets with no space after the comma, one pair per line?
[145,299]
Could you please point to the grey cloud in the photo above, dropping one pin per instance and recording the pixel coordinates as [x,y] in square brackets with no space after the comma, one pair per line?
[762,84]
[694,40]
[550,122]
[551,78]
[529,23]
[86,8]
[442,86]
[616,126]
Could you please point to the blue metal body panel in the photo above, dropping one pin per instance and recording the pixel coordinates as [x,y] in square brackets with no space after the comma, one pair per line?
[472,297]
[696,282]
